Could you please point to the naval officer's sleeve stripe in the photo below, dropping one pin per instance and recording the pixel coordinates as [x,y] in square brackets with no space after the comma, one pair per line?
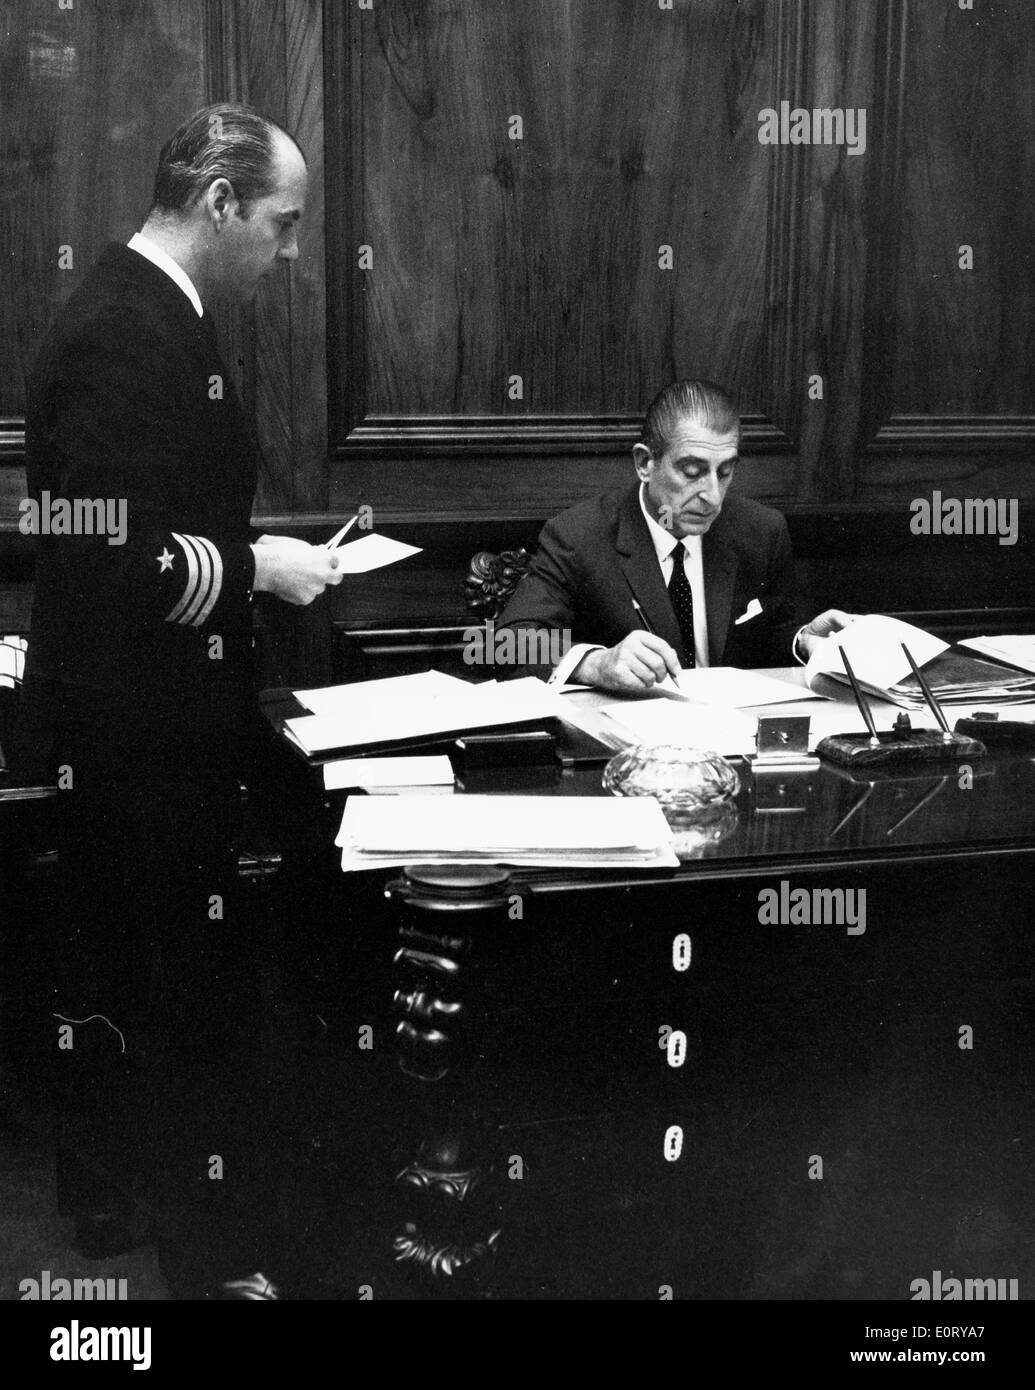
[203,607]
[175,615]
[199,579]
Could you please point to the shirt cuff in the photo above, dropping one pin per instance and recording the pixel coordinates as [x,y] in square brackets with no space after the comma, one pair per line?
[801,660]
[570,660]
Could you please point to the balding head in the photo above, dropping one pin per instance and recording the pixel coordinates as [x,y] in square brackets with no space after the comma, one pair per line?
[230,188]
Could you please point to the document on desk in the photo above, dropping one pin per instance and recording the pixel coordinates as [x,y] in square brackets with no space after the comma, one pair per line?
[655,721]
[536,831]
[732,688]
[344,701]
[367,715]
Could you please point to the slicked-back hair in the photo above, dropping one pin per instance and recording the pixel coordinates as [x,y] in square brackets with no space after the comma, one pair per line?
[223,141]
[710,405]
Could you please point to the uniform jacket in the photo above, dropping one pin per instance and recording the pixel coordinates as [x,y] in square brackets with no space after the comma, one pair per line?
[130,402]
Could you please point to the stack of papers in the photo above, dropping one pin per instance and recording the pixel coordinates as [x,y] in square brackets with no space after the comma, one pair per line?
[537,831]
[405,709]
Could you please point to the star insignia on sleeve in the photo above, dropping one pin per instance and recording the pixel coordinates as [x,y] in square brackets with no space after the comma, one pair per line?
[165,560]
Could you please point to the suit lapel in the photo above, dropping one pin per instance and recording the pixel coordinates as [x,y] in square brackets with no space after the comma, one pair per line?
[720,574]
[639,563]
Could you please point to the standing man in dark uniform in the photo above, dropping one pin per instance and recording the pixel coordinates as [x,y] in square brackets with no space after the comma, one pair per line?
[139,693]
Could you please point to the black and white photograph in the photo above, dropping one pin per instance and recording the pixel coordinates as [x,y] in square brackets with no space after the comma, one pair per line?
[517,671]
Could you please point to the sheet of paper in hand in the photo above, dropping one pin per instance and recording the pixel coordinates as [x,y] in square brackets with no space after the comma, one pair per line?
[371,552]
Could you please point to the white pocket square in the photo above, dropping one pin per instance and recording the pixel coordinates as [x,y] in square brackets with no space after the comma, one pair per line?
[753,609]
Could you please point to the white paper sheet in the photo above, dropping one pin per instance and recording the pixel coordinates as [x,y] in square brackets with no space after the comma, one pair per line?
[371,552]
[373,773]
[680,722]
[345,700]
[874,647]
[732,688]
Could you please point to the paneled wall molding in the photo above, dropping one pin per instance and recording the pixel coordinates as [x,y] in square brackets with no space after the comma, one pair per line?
[12,440]
[449,435]
[941,433]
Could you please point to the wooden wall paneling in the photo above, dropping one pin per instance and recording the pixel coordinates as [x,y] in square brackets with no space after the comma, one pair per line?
[246,63]
[469,486]
[846,71]
[957,399]
[307,316]
[343,77]
[269,53]
[89,94]
[966,340]
[859,557]
[931,458]
[785,365]
[645,134]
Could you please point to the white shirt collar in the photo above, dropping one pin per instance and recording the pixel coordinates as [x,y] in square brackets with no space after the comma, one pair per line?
[664,540]
[154,253]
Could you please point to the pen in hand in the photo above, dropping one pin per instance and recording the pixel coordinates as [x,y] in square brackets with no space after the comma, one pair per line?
[649,626]
[339,536]
[644,619]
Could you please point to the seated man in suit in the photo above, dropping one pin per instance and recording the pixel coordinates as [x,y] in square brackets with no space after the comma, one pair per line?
[674,571]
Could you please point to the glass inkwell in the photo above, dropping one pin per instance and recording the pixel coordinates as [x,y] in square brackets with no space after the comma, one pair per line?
[695,788]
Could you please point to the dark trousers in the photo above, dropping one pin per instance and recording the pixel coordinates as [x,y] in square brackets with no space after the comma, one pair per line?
[156,982]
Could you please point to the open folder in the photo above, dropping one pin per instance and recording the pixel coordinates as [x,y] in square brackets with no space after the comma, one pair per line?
[874,647]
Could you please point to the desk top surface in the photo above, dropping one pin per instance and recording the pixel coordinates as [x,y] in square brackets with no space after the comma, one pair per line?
[821,818]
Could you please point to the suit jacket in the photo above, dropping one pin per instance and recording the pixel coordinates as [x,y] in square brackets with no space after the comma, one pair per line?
[130,401]
[595,558]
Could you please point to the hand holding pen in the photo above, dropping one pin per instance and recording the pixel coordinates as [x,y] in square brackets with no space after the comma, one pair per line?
[637,663]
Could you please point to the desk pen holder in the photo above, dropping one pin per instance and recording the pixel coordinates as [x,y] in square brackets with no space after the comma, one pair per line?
[899,747]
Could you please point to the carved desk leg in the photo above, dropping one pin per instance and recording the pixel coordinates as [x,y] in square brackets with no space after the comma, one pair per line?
[447,1231]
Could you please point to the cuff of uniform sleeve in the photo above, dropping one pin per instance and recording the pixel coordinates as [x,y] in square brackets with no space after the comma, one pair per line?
[238,572]
[570,660]
[795,650]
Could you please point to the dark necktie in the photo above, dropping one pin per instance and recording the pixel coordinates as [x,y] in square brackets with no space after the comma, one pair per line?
[682,602]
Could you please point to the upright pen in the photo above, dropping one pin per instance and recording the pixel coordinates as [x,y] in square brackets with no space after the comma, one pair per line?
[860,700]
[936,708]
[644,619]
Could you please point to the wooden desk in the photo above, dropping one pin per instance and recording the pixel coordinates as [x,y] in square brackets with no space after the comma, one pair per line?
[530,1092]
